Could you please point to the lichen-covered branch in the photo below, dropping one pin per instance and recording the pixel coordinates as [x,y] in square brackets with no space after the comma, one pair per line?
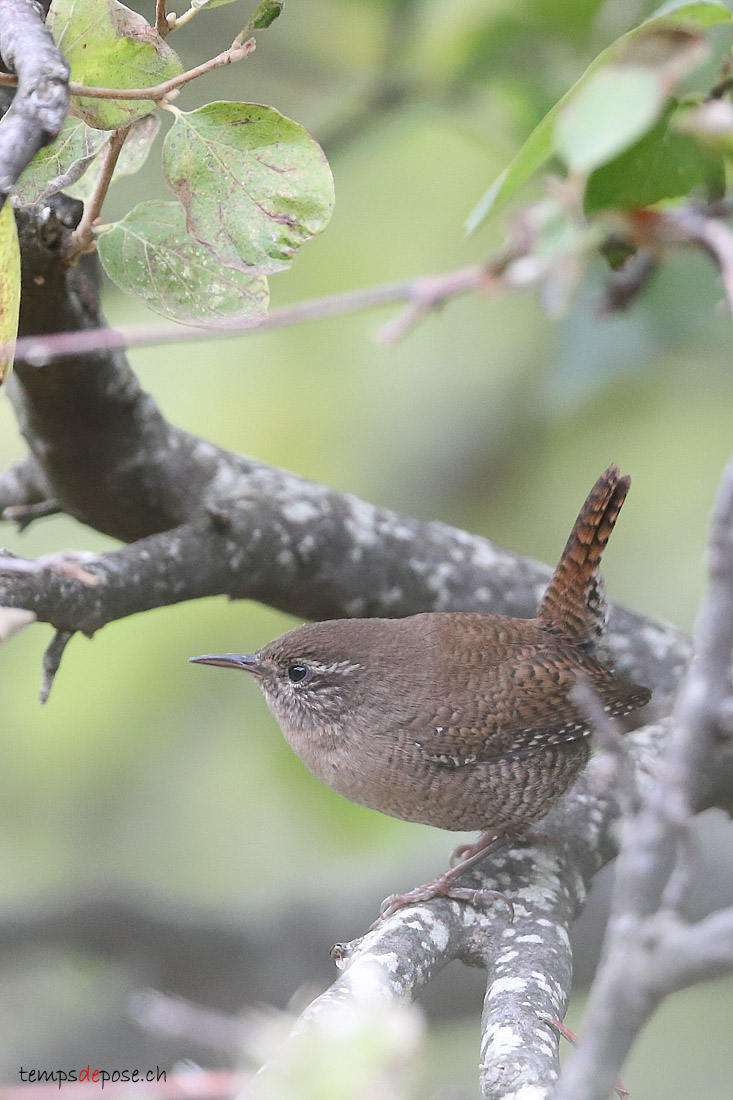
[273,537]
[202,521]
[41,102]
[649,950]
[528,958]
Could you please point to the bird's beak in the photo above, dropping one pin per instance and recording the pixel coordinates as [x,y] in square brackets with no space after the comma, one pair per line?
[247,661]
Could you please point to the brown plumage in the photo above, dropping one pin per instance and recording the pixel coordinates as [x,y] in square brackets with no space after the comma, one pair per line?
[454,719]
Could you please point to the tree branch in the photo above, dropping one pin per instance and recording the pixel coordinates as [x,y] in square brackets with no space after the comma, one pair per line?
[649,952]
[42,100]
[294,545]
[528,960]
[686,954]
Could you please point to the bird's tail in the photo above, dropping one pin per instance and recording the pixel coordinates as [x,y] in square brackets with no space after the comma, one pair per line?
[573,604]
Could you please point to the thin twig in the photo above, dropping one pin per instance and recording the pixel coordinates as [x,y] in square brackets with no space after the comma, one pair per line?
[263,16]
[187,16]
[625,285]
[52,661]
[40,350]
[430,293]
[25,514]
[158,91]
[690,225]
[82,239]
[162,25]
[424,295]
[717,239]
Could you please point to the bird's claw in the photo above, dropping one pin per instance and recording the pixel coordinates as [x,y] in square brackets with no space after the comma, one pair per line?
[394,902]
[481,897]
[463,851]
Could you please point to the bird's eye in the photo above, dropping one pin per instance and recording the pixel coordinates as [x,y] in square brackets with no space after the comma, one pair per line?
[297,673]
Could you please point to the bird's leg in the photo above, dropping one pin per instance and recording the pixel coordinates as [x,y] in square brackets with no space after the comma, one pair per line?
[442,886]
[482,842]
[465,851]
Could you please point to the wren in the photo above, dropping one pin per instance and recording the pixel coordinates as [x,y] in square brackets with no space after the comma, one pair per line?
[455,719]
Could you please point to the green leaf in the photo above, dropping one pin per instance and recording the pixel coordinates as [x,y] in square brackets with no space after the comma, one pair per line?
[254,184]
[110,46]
[614,108]
[72,163]
[149,254]
[9,287]
[620,102]
[664,164]
[134,153]
[265,15]
[540,145]
[60,165]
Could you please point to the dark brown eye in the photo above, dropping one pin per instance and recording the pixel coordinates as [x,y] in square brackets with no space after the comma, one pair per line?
[297,673]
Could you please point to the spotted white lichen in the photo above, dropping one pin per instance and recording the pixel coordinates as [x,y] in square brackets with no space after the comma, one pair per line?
[506,985]
[300,511]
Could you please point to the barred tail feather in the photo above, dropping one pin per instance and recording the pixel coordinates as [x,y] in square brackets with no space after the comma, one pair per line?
[573,604]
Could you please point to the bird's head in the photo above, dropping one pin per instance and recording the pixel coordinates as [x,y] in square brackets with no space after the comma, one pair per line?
[322,674]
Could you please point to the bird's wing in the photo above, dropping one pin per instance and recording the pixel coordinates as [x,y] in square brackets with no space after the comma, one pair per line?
[516,708]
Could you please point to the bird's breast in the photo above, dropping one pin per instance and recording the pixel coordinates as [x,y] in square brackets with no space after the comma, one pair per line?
[389,772]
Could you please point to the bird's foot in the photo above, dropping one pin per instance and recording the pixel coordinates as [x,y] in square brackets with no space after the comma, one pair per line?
[432,890]
[442,886]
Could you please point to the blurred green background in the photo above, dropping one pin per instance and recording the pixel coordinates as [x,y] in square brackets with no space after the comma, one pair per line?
[145,775]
